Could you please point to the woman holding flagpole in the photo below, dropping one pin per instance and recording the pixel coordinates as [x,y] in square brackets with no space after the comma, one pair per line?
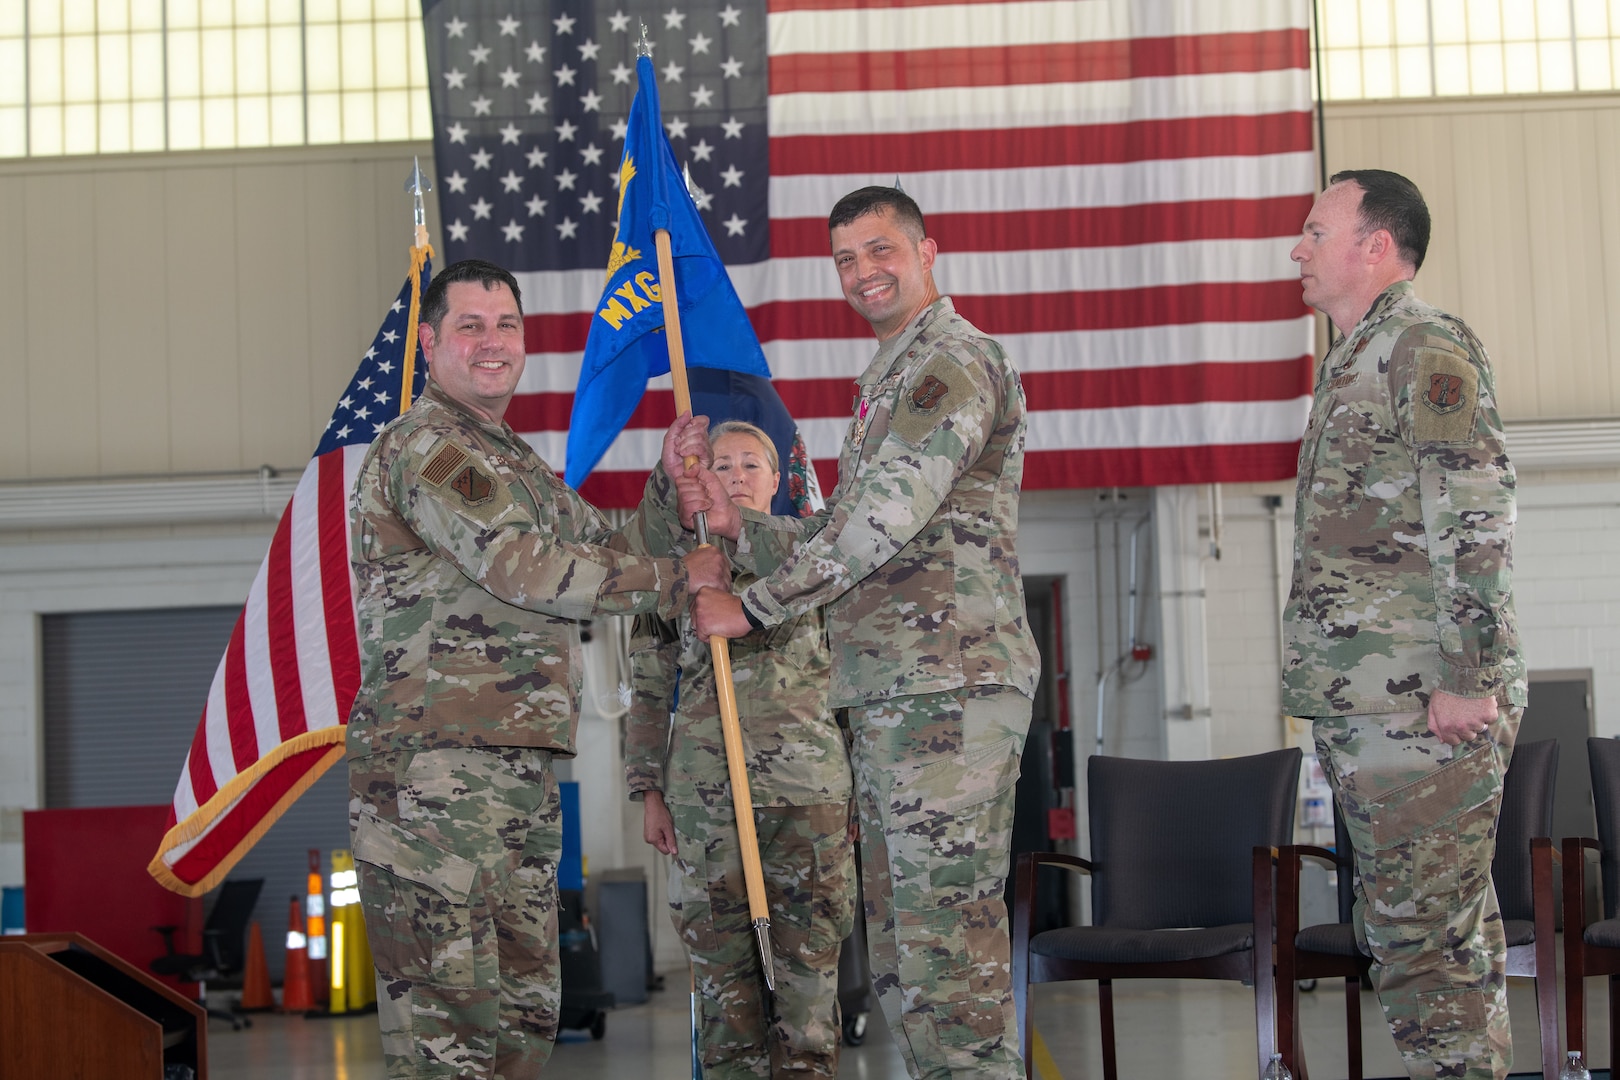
[675,762]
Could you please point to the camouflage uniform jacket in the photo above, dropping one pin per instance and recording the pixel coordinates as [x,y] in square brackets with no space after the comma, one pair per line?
[795,752]
[1403,523]
[915,556]
[474,562]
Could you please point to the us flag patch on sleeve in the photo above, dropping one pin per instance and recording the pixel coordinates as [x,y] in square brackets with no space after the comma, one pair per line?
[443,464]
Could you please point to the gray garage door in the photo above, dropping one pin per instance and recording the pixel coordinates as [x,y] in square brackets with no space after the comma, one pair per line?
[123,691]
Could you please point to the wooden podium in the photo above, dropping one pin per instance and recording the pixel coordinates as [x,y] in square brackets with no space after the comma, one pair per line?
[70,1008]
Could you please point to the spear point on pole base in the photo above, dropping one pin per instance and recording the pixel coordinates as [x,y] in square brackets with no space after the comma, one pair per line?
[762,933]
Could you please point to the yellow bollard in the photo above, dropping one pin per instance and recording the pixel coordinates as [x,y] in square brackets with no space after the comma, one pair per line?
[354,984]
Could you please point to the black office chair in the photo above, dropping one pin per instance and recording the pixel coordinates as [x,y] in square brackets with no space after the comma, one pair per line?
[1592,938]
[1182,858]
[224,948]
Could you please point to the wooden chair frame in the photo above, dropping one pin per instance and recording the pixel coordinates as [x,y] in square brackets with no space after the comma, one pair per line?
[1250,964]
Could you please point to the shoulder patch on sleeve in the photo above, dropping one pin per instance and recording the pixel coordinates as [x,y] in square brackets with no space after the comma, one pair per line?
[466,483]
[928,397]
[1446,393]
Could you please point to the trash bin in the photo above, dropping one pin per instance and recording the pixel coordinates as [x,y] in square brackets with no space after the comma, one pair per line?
[11,910]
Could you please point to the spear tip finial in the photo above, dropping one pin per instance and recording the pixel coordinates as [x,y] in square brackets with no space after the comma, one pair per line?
[418,185]
[644,44]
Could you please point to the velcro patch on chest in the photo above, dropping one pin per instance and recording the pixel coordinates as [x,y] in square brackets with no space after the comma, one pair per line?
[1447,391]
[473,486]
[932,394]
[466,482]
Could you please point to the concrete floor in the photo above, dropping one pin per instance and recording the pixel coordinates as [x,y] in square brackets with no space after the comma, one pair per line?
[1167,1029]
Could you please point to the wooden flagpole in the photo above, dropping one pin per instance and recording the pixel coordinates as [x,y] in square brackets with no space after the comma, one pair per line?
[742,799]
[421,251]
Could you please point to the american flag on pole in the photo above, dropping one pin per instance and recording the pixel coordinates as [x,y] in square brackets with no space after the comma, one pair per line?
[1114,186]
[276,713]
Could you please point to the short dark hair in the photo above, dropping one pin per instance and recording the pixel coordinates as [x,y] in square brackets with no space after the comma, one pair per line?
[436,300]
[875,200]
[1390,201]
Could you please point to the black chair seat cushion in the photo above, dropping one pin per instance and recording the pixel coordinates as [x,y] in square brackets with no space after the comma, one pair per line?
[1339,939]
[1605,934]
[1103,945]
[1333,939]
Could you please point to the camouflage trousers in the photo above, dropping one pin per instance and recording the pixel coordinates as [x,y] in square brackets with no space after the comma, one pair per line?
[935,775]
[1422,819]
[457,851]
[809,869]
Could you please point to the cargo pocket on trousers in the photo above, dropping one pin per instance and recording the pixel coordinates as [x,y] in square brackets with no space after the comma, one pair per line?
[1421,829]
[689,906]
[1447,1017]
[416,905]
[815,922]
[951,821]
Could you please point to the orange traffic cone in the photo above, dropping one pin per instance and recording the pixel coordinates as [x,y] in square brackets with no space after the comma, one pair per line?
[255,976]
[296,994]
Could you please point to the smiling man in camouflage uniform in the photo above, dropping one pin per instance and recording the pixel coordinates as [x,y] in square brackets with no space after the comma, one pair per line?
[1400,637]
[474,563]
[915,560]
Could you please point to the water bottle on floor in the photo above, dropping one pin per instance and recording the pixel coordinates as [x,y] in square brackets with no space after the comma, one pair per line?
[1279,1071]
[1574,1068]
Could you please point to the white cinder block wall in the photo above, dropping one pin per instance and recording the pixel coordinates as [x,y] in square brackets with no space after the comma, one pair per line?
[1567,583]
[1566,586]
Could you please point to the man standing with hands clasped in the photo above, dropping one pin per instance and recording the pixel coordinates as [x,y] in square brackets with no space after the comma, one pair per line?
[1400,641]
[914,560]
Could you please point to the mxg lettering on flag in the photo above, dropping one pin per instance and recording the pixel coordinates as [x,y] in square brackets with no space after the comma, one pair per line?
[1114,186]
[627,346]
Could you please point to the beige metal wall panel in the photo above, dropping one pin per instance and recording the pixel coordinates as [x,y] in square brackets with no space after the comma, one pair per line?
[272,330]
[1603,237]
[1526,231]
[342,315]
[128,306]
[1493,252]
[1574,369]
[15,377]
[64,390]
[179,313]
[203,304]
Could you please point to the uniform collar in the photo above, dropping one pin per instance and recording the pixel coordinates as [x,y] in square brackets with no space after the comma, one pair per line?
[892,348]
[435,394]
[1347,348]
[1386,302]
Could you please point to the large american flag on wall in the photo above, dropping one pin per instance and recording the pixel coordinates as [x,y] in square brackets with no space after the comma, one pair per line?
[1114,186]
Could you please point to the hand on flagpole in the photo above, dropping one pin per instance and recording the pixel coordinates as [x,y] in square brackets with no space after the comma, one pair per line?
[706,568]
[687,437]
[717,613]
[702,492]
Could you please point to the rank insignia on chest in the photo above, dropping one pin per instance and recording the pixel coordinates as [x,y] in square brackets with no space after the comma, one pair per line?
[473,486]
[1445,393]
